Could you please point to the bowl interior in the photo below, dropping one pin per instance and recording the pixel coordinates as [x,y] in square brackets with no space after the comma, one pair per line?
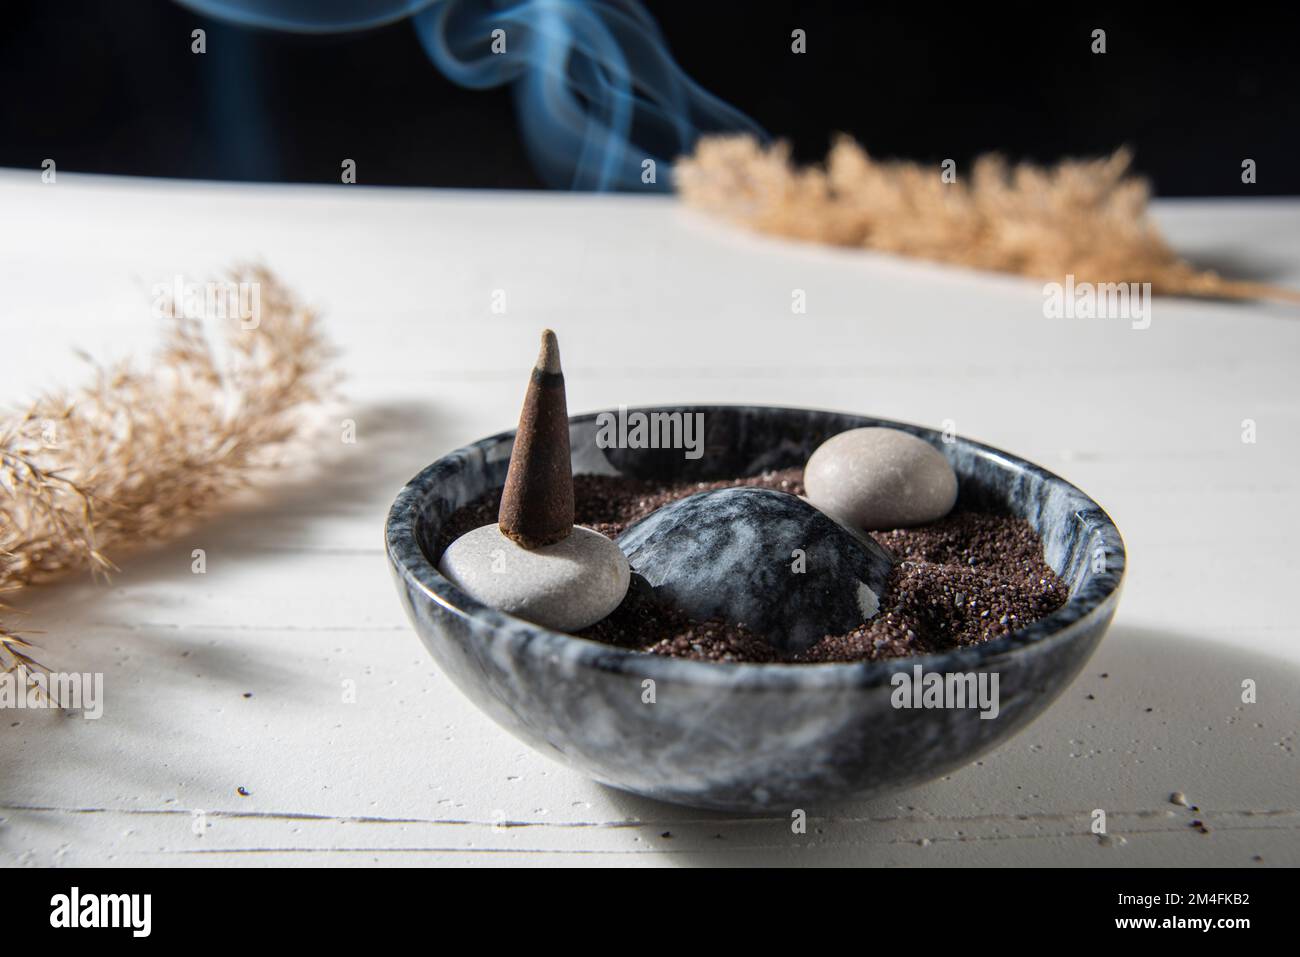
[1081,543]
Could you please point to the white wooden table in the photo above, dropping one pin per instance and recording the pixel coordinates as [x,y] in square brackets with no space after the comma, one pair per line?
[652,304]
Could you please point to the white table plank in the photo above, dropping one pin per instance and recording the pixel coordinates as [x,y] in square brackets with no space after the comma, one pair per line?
[653,304]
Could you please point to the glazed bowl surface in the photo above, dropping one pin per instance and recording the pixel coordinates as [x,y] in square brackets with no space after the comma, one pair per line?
[750,738]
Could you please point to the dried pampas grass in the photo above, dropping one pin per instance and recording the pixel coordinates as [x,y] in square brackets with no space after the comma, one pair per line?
[1082,217]
[143,453]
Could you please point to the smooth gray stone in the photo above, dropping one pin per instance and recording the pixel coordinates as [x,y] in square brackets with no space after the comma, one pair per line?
[880,478]
[567,586]
[732,554]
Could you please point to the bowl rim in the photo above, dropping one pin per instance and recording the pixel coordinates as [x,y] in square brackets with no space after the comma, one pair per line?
[521,637]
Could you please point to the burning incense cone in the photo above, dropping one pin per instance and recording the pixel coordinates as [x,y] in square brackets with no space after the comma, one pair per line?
[537,504]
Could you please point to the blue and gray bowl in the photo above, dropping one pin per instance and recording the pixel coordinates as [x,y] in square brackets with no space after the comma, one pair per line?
[750,737]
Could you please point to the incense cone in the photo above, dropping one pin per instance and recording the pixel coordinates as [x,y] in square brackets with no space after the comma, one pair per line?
[537,504]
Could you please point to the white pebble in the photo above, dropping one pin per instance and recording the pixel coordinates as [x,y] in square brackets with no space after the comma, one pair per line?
[566,586]
[878,478]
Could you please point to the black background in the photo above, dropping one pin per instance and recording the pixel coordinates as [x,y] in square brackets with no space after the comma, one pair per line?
[112,87]
[321,910]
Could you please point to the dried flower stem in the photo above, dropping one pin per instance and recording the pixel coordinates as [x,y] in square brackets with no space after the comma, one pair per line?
[1088,218]
[142,454]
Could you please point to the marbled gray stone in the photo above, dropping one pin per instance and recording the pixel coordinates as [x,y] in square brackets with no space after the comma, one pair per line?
[566,586]
[761,558]
[743,737]
[880,478]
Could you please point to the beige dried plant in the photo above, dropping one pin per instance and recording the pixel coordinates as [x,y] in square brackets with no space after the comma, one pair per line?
[1087,218]
[143,453]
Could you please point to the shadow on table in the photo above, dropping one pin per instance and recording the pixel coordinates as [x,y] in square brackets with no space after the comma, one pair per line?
[360,478]
[1155,710]
[1233,264]
[394,441]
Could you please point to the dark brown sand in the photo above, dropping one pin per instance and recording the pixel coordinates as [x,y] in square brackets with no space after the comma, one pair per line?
[965,579]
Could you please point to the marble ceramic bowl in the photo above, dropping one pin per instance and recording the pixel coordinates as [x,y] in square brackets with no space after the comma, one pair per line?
[749,737]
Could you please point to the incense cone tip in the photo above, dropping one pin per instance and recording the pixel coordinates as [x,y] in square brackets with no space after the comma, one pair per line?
[548,360]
